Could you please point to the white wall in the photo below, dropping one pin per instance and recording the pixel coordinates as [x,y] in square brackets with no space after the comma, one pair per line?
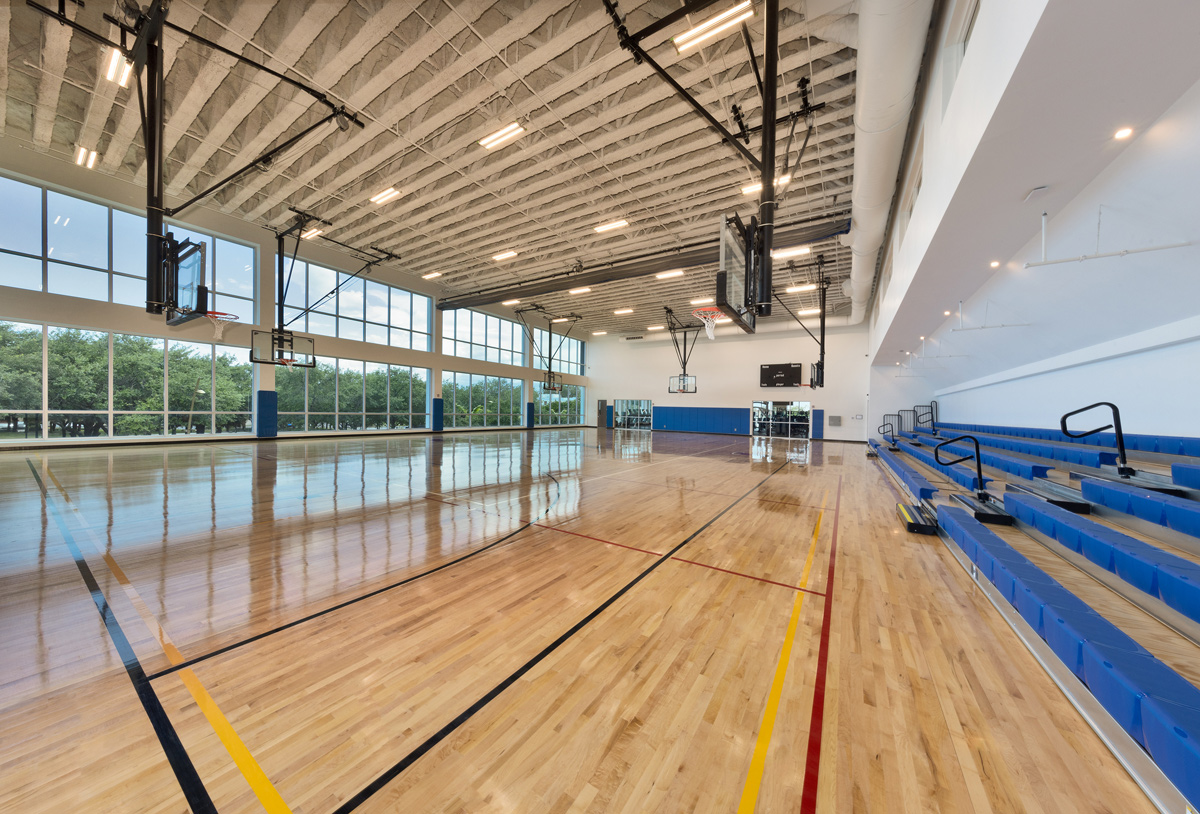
[727,371]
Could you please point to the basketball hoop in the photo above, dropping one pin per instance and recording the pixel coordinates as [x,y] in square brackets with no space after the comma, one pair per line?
[219,322]
[709,317]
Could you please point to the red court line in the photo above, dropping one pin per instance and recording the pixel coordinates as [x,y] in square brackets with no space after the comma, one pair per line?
[812,762]
[748,576]
[677,559]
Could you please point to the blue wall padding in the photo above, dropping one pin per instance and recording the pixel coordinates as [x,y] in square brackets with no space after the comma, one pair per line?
[439,420]
[608,419]
[1154,704]
[266,415]
[818,424]
[529,419]
[1162,444]
[725,420]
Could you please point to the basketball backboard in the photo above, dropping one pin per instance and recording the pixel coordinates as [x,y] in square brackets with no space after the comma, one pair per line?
[731,293]
[552,383]
[282,348]
[681,384]
[187,294]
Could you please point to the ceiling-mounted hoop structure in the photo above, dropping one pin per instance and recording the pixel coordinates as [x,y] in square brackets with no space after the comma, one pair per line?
[709,315]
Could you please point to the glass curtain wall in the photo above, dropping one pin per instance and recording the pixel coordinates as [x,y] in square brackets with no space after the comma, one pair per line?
[565,407]
[61,244]
[350,394]
[354,308]
[472,335]
[100,384]
[567,352]
[475,400]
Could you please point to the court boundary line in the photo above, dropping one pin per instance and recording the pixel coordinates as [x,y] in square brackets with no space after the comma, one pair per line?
[816,724]
[190,784]
[352,601]
[433,740]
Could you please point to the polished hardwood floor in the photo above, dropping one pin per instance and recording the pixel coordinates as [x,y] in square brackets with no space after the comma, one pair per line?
[554,621]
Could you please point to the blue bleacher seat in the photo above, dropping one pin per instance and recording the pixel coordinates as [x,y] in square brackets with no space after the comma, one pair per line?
[1170,732]
[1177,513]
[1187,475]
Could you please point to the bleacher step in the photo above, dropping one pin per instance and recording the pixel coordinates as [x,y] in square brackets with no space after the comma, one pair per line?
[1145,480]
[916,519]
[985,511]
[1061,496]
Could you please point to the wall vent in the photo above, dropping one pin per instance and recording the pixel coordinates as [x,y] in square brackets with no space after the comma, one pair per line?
[835,421]
[631,338]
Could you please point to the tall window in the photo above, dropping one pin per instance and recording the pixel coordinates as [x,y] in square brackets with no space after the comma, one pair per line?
[474,400]
[354,308]
[472,335]
[349,394]
[99,384]
[65,245]
[565,407]
[567,353]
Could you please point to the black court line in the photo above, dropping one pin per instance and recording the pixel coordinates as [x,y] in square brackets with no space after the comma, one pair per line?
[304,619]
[177,756]
[392,773]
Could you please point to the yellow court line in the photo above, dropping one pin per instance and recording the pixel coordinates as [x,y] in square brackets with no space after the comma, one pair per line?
[259,783]
[758,762]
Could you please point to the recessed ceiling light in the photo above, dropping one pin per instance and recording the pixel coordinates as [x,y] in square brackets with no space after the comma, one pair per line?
[599,333]
[656,327]
[431,275]
[704,301]
[504,255]
[311,233]
[796,289]
[668,274]
[559,319]
[500,136]
[579,290]
[945,313]
[510,302]
[86,157]
[1124,132]
[780,254]
[808,312]
[713,26]
[608,227]
[389,194]
[623,311]
[781,181]
[995,264]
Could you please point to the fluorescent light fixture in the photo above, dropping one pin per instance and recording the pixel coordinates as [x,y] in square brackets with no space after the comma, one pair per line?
[922,339]
[118,61]
[796,289]
[780,254]
[124,81]
[560,319]
[579,290]
[1123,133]
[501,136]
[945,313]
[995,264]
[623,311]
[608,227]
[724,320]
[504,255]
[668,274]
[311,233]
[808,312]
[599,333]
[389,194]
[510,302]
[704,301]
[656,327]
[431,275]
[86,156]
[714,26]
[781,181]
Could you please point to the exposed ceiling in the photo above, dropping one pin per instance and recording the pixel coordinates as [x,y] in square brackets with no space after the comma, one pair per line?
[605,138]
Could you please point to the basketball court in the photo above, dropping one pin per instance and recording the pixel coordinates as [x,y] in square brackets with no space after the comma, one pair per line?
[576,620]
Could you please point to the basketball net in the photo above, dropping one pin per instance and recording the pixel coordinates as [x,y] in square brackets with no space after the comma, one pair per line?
[709,317]
[219,322]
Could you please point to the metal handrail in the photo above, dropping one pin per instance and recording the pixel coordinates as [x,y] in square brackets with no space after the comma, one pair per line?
[1123,468]
[890,429]
[981,493]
